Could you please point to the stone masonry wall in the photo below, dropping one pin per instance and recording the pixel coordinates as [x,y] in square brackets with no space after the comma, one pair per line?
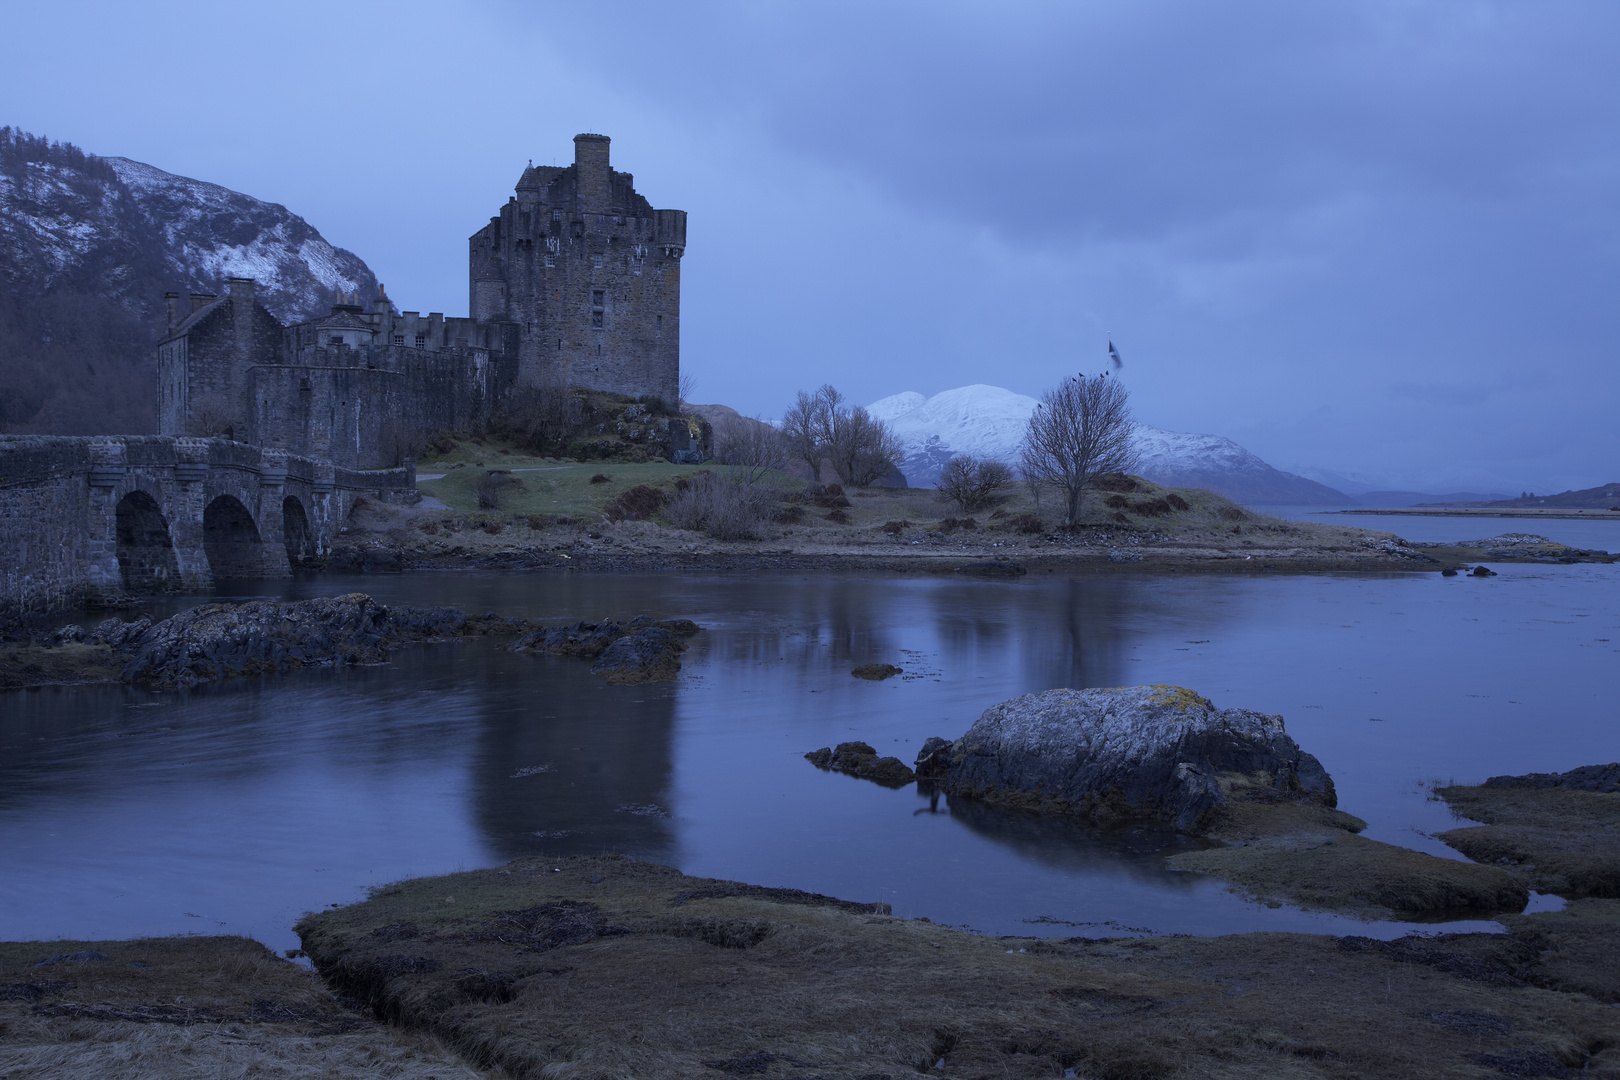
[60,495]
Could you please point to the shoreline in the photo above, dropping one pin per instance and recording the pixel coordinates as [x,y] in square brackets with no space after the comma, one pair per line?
[1552,513]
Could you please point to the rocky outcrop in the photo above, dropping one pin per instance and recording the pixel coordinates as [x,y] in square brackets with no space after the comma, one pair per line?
[1603,778]
[212,642]
[861,760]
[221,641]
[642,650]
[1141,752]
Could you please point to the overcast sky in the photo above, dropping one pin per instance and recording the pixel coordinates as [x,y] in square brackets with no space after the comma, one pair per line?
[1381,239]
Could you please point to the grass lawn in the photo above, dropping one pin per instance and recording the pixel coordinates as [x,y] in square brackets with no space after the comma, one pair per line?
[553,487]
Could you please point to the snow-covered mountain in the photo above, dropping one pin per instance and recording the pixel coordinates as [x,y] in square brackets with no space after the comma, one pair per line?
[88,246]
[989,421]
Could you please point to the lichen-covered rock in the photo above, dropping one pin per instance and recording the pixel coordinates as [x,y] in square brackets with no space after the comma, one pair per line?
[862,760]
[1140,752]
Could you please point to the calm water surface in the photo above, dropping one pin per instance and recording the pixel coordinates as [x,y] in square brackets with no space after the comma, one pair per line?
[236,808]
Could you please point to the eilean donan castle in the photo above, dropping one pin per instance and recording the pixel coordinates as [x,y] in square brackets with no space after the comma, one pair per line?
[577,279]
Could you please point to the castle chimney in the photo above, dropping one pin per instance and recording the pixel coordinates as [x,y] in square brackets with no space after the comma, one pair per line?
[591,174]
[171,301]
[200,300]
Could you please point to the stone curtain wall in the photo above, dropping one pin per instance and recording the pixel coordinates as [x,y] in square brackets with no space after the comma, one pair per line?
[361,407]
[60,497]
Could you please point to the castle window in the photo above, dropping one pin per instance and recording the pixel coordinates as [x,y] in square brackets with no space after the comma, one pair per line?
[421,341]
[597,296]
[596,261]
[660,326]
[399,339]
[596,320]
[335,339]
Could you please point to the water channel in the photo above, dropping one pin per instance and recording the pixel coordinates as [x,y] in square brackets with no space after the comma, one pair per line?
[236,808]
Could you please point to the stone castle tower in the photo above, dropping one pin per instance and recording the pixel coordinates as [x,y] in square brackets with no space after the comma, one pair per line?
[578,279]
[589,274]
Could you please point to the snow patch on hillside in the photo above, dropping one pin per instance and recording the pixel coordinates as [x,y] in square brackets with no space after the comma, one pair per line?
[989,422]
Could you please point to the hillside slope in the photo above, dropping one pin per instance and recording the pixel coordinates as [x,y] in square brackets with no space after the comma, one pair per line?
[88,246]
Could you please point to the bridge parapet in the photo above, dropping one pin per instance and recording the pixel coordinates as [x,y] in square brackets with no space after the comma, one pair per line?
[88,518]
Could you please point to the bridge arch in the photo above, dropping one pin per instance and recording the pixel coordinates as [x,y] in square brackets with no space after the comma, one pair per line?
[231,540]
[146,560]
[296,534]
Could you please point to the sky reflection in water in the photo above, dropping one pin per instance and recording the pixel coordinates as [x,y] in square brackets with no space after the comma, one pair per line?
[236,808]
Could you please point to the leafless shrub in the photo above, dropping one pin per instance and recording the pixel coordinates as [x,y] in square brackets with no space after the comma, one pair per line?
[830,497]
[492,486]
[601,478]
[751,449]
[1080,431]
[1115,482]
[973,484]
[722,507]
[895,528]
[838,517]
[1177,502]
[1026,523]
[636,504]
[211,416]
[1233,513]
[951,524]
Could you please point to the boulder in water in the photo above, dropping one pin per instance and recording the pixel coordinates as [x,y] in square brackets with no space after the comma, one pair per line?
[1139,752]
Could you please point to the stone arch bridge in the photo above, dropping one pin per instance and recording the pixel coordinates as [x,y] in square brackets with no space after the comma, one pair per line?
[90,518]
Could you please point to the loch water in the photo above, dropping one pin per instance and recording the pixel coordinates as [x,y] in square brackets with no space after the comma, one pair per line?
[235,808]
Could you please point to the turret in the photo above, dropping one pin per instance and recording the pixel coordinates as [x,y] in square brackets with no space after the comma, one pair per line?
[591,172]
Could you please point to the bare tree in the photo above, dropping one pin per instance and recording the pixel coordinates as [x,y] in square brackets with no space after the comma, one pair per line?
[807,426]
[861,447]
[687,386]
[1080,430]
[973,484]
[750,449]
[211,416]
[539,413]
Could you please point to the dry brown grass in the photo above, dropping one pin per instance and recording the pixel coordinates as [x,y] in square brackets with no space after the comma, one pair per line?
[1310,855]
[1555,839]
[73,662]
[184,1008]
[608,967]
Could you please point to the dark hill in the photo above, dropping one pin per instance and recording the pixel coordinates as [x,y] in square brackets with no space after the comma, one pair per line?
[1601,497]
[88,246]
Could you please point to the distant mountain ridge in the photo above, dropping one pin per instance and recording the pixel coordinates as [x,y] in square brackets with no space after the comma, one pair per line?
[88,246]
[1604,496]
[989,421]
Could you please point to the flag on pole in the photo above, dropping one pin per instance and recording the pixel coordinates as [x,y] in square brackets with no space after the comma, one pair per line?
[1113,354]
